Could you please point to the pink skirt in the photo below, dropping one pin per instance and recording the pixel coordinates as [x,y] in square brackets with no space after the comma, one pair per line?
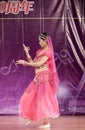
[38,101]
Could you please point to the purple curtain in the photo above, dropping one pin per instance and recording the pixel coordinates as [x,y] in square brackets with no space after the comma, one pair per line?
[64,21]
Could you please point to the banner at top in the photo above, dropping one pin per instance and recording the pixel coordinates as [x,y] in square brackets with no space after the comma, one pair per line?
[15,7]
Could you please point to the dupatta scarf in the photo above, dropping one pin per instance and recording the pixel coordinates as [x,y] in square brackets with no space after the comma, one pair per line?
[54,75]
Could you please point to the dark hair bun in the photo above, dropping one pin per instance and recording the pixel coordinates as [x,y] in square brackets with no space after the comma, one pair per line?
[43,35]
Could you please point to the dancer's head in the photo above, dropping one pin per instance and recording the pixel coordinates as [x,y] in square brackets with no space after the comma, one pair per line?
[42,39]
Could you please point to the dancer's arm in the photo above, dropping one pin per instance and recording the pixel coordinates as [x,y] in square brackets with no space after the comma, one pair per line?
[26,49]
[33,63]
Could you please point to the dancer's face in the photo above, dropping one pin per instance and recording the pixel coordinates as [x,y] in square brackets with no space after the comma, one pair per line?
[42,43]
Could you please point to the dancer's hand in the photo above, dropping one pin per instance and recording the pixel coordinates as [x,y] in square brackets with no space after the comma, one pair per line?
[26,48]
[22,62]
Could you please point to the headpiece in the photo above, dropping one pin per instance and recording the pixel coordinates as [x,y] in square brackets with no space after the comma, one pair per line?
[43,36]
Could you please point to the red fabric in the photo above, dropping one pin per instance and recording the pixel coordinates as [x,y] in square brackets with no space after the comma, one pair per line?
[53,70]
[39,99]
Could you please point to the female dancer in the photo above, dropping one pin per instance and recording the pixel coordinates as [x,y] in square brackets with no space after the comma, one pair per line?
[39,99]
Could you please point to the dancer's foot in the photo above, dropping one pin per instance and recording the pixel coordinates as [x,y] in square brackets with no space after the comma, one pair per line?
[45,126]
[28,122]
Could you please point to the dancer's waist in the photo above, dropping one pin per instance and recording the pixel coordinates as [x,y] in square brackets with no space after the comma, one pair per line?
[42,76]
[42,69]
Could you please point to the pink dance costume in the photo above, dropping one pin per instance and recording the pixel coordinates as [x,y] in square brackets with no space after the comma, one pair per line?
[39,100]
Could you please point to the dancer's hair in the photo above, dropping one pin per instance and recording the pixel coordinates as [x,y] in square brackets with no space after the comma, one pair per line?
[43,35]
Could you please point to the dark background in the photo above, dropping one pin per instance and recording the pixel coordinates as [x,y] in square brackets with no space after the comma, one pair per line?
[64,21]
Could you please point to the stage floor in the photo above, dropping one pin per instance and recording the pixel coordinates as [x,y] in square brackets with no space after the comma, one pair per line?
[61,123]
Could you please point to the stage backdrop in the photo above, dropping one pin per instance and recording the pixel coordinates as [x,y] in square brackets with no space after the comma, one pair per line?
[22,22]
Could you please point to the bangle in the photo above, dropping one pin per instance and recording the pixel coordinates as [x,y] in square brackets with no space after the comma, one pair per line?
[23,62]
[29,58]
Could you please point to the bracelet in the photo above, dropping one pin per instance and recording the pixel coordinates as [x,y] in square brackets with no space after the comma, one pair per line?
[29,58]
[23,62]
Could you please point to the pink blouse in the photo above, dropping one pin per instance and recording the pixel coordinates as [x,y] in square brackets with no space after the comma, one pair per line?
[39,56]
